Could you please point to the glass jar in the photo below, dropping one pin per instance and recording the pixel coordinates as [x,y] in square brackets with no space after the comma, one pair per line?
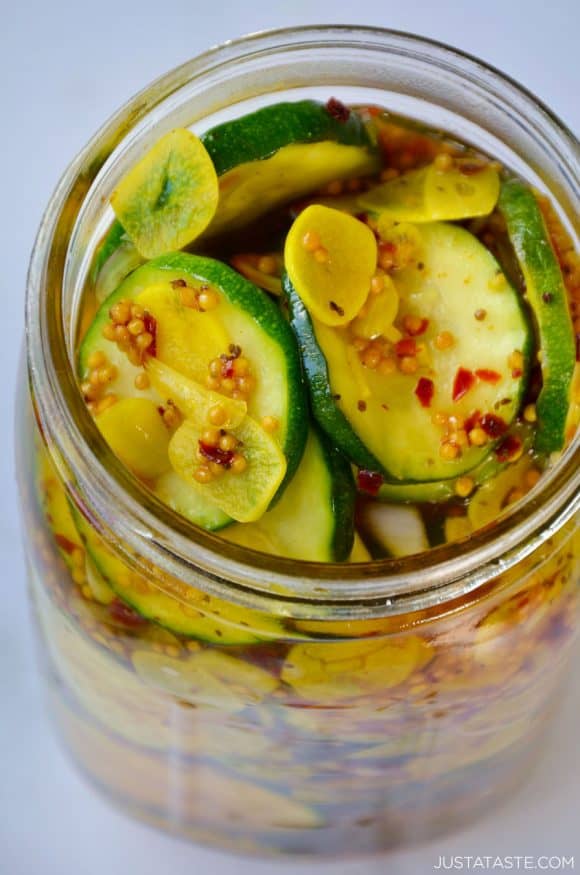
[257,703]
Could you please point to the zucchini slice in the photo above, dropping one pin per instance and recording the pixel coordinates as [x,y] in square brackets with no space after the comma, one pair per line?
[283,152]
[245,317]
[174,605]
[546,294]
[319,530]
[382,422]
[443,490]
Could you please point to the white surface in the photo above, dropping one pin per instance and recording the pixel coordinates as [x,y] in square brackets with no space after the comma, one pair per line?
[64,67]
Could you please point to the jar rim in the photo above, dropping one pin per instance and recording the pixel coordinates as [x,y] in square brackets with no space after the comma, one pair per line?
[153,536]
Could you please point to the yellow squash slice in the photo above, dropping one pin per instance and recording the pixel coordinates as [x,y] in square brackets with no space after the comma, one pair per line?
[330,258]
[170,196]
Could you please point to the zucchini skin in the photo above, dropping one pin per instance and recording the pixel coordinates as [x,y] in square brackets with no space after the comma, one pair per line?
[330,419]
[261,134]
[343,499]
[547,297]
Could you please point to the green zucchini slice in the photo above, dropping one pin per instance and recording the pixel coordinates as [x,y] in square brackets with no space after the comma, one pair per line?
[380,421]
[246,318]
[546,294]
[283,152]
[173,605]
[314,519]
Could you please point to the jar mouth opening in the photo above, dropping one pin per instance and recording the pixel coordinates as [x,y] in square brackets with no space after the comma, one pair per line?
[149,533]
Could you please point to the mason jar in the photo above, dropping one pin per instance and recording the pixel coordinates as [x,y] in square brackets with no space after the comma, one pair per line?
[258,703]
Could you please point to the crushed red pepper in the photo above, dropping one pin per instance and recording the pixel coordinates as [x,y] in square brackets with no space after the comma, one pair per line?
[464,381]
[424,391]
[369,481]
[487,375]
[337,110]
[494,426]
[217,455]
[508,448]
[406,347]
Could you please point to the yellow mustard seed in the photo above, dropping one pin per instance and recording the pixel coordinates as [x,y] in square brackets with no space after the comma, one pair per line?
[464,486]
[408,364]
[239,464]
[444,340]
[443,162]
[97,360]
[477,437]
[449,451]
[210,436]
[142,381]
[202,474]
[208,299]
[217,415]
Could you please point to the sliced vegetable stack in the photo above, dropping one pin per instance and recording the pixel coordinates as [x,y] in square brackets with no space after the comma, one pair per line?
[368,373]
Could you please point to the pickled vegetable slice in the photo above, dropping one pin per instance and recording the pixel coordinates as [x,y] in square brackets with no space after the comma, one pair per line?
[297,527]
[469,362]
[283,152]
[136,433]
[546,294]
[463,190]
[337,671]
[186,338]
[330,258]
[244,495]
[193,399]
[170,196]
[208,677]
[244,319]
[175,605]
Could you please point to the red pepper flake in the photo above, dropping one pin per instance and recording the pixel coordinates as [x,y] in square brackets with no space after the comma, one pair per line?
[122,613]
[508,448]
[419,329]
[387,247]
[494,426]
[215,454]
[406,347]
[151,326]
[424,391]
[517,373]
[65,544]
[369,481]
[337,110]
[362,406]
[487,376]
[463,382]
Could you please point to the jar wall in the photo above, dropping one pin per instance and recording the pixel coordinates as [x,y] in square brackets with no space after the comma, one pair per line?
[266,735]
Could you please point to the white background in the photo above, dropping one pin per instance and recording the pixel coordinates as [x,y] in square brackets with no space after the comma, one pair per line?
[64,67]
